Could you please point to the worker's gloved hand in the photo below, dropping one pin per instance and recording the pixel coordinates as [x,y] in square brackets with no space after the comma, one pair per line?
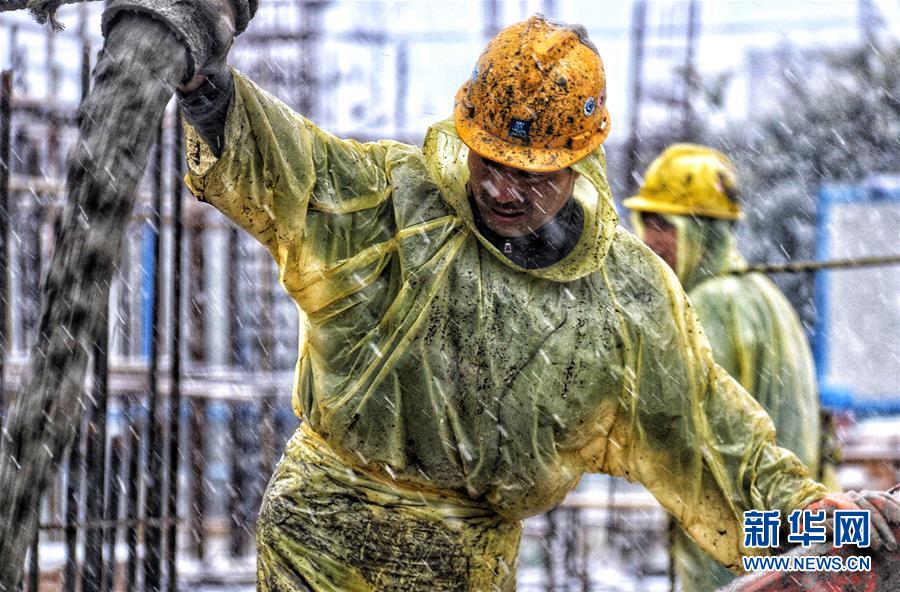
[225,31]
[206,27]
[884,513]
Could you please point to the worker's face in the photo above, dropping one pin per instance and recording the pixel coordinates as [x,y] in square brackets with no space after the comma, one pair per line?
[661,237]
[513,202]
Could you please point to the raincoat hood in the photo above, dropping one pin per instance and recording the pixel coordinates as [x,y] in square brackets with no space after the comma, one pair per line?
[707,247]
[446,157]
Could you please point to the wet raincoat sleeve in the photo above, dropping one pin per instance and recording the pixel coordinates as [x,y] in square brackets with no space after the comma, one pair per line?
[314,200]
[683,426]
[757,338]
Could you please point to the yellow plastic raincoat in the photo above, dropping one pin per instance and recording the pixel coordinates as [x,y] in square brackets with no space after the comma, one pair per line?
[446,393]
[756,336]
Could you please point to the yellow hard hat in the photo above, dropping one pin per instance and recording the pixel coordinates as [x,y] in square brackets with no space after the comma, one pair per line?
[536,99]
[691,180]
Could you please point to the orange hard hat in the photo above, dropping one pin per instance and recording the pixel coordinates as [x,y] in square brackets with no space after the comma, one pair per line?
[536,99]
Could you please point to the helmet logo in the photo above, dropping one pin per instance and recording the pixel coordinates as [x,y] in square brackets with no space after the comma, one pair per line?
[520,128]
[589,106]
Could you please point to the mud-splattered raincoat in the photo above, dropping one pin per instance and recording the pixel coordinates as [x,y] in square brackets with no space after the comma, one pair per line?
[446,393]
[757,337]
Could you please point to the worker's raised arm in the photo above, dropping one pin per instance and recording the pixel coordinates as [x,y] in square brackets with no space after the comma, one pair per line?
[314,200]
[682,426]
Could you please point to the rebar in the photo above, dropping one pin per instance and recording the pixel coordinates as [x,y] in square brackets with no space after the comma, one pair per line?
[5,137]
[95,463]
[153,504]
[174,455]
[111,524]
[808,266]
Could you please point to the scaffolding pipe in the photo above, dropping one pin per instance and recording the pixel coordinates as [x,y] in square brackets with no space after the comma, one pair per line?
[153,502]
[5,139]
[175,355]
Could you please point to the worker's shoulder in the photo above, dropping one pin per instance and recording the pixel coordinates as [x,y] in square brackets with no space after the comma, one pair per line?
[739,289]
[628,257]
[415,196]
[636,275]
[401,151]
[723,287]
[752,303]
[720,300]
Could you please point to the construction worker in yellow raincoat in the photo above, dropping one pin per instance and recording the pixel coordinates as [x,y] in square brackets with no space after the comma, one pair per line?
[479,332]
[685,211]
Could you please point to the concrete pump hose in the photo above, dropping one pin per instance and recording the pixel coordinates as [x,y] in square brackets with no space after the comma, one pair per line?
[134,79]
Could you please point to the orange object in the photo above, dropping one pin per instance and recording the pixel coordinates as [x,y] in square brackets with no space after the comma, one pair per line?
[536,99]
